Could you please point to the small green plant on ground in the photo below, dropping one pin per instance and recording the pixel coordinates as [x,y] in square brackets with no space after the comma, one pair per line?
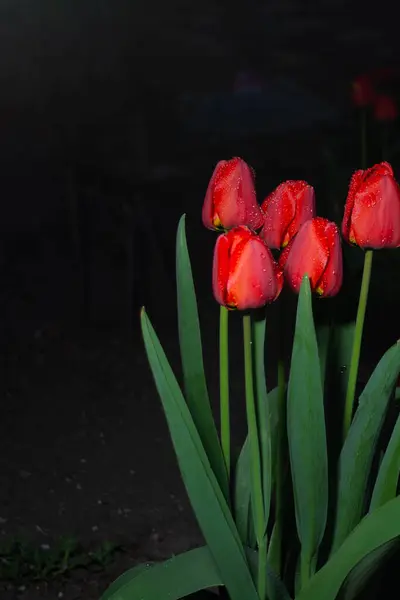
[21,559]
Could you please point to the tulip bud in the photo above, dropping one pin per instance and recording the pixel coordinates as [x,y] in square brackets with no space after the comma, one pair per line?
[372,212]
[231,197]
[363,92]
[316,251]
[245,274]
[385,108]
[285,210]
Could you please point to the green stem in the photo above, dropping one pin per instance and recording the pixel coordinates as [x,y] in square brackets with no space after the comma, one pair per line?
[279,465]
[355,355]
[262,568]
[224,386]
[256,480]
[280,437]
[305,570]
[364,115]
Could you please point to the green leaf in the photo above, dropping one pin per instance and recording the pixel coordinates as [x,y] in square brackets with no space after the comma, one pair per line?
[195,385]
[274,548]
[375,530]
[262,412]
[242,493]
[359,448]
[279,473]
[340,355]
[175,578]
[388,475]
[276,587]
[306,434]
[276,421]
[323,339]
[359,577]
[205,494]
[181,576]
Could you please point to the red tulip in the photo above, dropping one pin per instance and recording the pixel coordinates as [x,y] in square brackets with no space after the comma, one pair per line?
[372,212]
[245,274]
[285,210]
[231,197]
[316,251]
[363,91]
[385,108]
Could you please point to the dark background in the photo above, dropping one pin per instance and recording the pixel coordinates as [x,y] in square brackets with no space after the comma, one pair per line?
[112,118]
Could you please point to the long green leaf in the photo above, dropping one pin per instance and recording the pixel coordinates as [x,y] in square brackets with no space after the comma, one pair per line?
[175,578]
[242,493]
[263,412]
[205,495]
[359,577]
[338,364]
[279,474]
[276,587]
[276,422]
[195,385]
[181,576]
[375,530]
[323,339]
[340,354]
[358,450]
[306,434]
[388,476]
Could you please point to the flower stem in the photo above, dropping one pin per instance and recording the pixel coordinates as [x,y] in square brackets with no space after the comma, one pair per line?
[256,480]
[224,386]
[279,465]
[355,355]
[304,570]
[262,568]
[280,436]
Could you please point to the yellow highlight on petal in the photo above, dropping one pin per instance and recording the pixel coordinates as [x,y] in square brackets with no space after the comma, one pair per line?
[285,243]
[216,221]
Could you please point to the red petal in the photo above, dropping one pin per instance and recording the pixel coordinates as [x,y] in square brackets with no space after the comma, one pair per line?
[355,182]
[208,212]
[221,268]
[235,197]
[305,208]
[332,278]
[285,210]
[385,108]
[279,209]
[376,214]
[308,255]
[254,276]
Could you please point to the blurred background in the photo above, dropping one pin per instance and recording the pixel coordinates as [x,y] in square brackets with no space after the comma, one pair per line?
[112,118]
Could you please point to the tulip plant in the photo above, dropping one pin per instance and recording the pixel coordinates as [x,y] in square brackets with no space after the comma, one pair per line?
[300,513]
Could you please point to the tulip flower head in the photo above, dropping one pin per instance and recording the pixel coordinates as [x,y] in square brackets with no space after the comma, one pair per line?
[231,197]
[285,210]
[363,92]
[385,108]
[316,251]
[245,274]
[372,211]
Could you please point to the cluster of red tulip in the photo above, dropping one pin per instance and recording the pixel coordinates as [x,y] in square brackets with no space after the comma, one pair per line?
[365,93]
[245,272]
